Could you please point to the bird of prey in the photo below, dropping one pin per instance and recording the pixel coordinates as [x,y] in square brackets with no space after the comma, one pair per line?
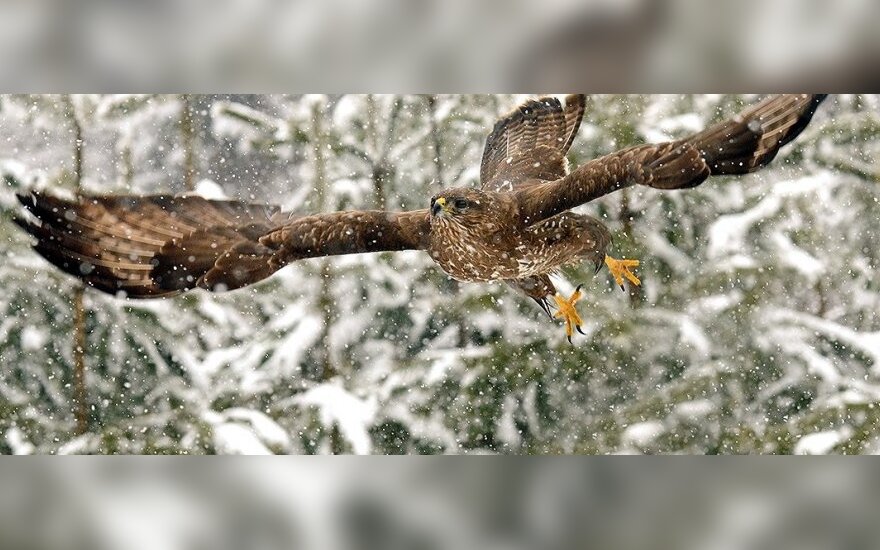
[517,226]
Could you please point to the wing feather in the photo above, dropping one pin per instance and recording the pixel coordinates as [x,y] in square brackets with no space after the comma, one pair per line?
[531,143]
[113,242]
[332,234]
[739,145]
[163,245]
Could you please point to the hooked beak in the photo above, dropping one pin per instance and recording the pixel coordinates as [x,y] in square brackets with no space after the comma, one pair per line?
[438,206]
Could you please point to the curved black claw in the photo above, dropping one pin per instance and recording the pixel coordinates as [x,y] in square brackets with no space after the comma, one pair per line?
[544,305]
[578,327]
[622,288]
[598,267]
[569,340]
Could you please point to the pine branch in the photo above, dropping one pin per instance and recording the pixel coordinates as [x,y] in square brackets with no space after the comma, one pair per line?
[252,117]
[119,106]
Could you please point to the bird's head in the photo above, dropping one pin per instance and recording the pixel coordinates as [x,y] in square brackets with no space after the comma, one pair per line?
[459,205]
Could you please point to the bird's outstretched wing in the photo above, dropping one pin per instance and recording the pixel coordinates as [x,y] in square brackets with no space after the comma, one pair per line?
[332,234]
[738,145]
[162,245]
[530,143]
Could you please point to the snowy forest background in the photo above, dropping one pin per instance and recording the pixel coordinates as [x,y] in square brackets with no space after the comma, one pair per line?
[756,329]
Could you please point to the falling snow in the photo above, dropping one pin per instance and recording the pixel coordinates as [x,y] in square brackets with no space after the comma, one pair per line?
[756,329]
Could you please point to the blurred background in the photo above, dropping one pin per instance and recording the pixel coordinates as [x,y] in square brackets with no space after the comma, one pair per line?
[755,330]
[440,45]
[402,503]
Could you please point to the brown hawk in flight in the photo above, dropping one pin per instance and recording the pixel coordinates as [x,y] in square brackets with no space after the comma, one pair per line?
[516,227]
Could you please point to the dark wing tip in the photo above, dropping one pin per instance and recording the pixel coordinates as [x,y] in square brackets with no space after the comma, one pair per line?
[26,199]
[29,225]
[575,99]
[23,224]
[575,106]
[805,118]
[530,109]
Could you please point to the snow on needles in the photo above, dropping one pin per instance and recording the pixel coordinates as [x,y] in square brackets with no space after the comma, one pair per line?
[336,405]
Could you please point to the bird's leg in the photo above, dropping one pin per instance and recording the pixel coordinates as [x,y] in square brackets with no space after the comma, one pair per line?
[567,311]
[620,269]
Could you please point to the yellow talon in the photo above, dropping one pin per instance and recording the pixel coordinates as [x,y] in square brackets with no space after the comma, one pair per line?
[620,269]
[567,311]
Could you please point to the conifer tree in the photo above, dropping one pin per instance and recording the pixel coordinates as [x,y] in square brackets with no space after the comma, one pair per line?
[755,329]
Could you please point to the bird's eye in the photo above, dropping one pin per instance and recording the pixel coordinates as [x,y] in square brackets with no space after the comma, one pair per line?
[461,204]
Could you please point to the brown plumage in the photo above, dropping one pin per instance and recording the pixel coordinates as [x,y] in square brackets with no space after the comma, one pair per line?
[516,227]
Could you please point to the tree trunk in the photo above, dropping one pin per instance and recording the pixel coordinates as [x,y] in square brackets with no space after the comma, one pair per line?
[435,141]
[187,141]
[326,301]
[325,293]
[382,168]
[80,404]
